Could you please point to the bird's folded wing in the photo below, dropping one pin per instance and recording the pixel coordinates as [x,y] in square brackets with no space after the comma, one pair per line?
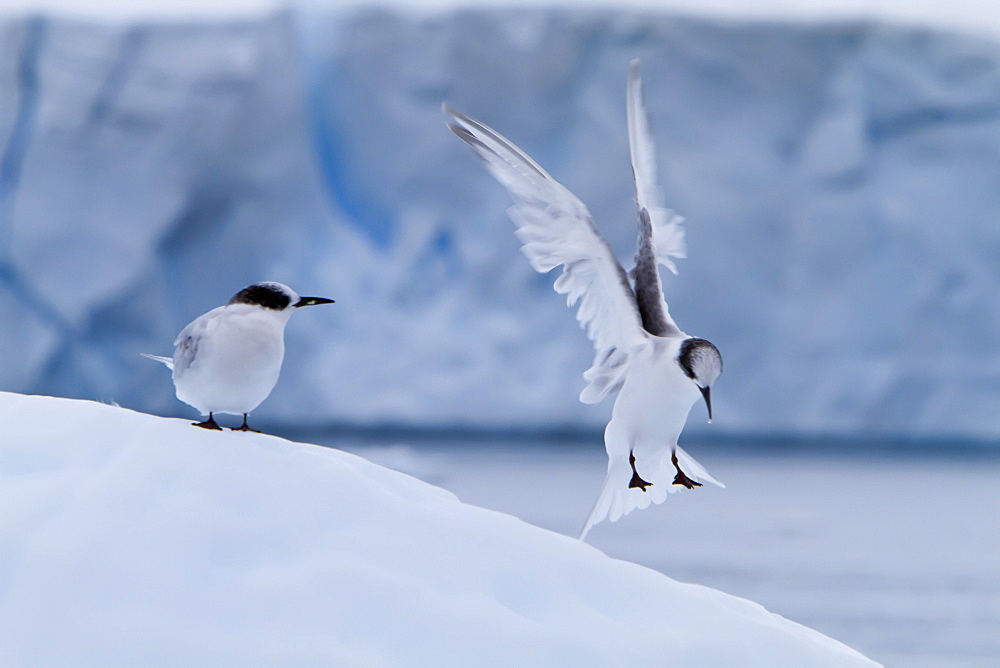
[186,343]
[661,231]
[557,229]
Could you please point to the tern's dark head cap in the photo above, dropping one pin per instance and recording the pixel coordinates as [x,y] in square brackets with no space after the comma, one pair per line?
[275,296]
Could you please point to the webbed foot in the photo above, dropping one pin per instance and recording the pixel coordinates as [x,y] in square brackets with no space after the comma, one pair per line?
[681,477]
[636,481]
[244,427]
[210,423]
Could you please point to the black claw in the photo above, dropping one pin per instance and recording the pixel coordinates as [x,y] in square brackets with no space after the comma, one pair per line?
[681,478]
[245,427]
[636,481]
[210,423]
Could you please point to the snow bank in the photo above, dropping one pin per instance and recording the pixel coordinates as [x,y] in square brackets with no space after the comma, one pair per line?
[127,539]
[839,181]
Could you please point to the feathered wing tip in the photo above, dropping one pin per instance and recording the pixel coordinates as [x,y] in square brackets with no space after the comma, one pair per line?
[605,376]
[512,167]
[165,361]
[668,237]
[668,229]
[556,229]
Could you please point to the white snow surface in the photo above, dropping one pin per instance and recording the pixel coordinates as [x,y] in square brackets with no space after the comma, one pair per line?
[128,539]
[839,181]
[835,536]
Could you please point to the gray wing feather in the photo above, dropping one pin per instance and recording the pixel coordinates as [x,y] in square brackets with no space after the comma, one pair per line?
[556,229]
[185,354]
[648,291]
[186,343]
[661,233]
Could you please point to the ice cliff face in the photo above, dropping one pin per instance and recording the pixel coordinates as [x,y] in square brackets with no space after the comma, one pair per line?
[841,184]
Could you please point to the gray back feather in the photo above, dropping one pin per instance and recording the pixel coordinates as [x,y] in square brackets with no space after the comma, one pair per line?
[648,291]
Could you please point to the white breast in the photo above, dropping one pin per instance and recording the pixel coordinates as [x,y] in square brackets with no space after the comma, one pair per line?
[656,398]
[236,362]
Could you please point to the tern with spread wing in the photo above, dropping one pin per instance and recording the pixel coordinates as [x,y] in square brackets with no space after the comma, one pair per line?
[657,370]
[228,360]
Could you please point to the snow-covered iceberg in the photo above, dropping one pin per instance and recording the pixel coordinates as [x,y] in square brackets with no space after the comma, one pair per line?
[839,181]
[128,539]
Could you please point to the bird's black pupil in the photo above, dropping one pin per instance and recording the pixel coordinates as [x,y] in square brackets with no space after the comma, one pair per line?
[262,295]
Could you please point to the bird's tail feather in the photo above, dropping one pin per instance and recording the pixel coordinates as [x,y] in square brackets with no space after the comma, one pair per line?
[166,361]
[694,470]
[617,498]
[604,500]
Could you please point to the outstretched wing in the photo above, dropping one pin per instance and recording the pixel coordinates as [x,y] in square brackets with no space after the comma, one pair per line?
[557,229]
[661,233]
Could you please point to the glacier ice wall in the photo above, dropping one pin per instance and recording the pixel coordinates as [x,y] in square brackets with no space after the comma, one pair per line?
[841,184]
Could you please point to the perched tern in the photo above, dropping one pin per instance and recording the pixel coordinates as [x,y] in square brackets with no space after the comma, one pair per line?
[658,371]
[228,360]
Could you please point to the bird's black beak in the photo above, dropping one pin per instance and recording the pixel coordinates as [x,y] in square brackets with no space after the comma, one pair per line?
[312,301]
[707,393]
